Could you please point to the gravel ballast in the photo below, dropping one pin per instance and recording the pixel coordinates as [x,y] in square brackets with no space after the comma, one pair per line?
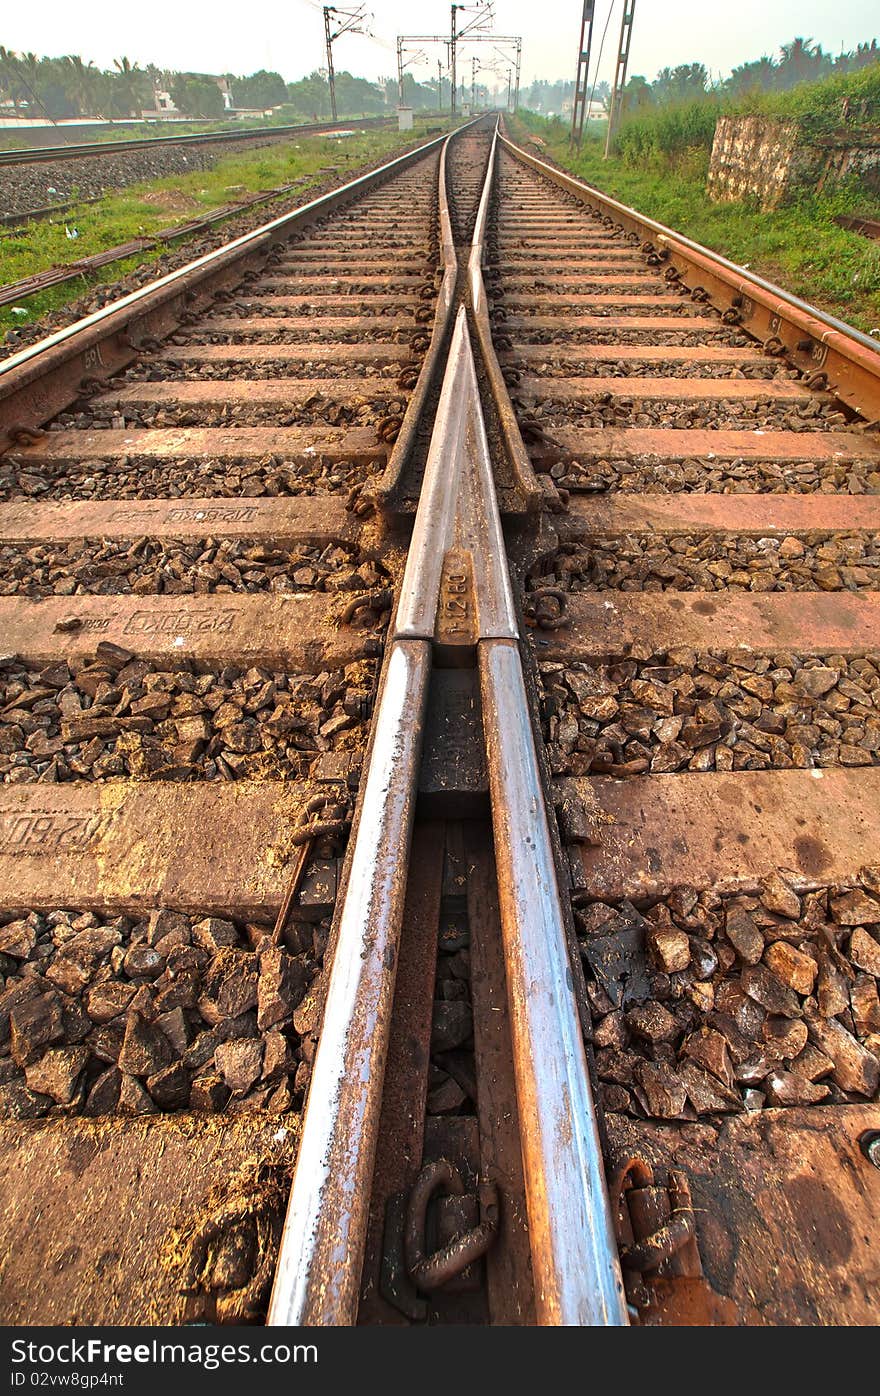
[717,562]
[147,567]
[679,710]
[737,1002]
[115,718]
[161,1012]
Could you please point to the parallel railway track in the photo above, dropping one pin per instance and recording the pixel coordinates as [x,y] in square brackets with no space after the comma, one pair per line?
[439,742]
[75,150]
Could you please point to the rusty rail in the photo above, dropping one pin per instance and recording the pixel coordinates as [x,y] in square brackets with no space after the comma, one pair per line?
[530,488]
[41,153]
[36,215]
[869,227]
[813,340]
[46,377]
[432,364]
[574,1256]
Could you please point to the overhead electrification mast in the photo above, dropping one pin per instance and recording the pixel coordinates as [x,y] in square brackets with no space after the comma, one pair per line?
[626,28]
[581,86]
[351,21]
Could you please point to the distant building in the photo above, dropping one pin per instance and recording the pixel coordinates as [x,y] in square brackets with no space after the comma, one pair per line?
[597,111]
[164,102]
[225,89]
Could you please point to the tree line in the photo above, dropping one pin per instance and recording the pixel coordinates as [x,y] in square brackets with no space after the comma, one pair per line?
[70,87]
[800,61]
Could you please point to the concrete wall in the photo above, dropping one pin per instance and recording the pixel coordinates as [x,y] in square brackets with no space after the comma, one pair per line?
[756,157]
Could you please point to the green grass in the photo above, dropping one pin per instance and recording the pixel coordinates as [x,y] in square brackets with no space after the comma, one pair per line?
[799,247]
[155,130]
[145,208]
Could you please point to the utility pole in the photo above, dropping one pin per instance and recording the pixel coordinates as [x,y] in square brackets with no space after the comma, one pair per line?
[452,39]
[473,32]
[481,19]
[351,21]
[475,63]
[419,57]
[581,86]
[518,67]
[626,28]
[509,82]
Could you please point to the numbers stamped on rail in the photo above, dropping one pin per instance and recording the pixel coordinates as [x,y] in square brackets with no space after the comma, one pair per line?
[456,613]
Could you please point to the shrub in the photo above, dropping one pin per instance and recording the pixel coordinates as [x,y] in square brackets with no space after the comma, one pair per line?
[661,136]
[822,107]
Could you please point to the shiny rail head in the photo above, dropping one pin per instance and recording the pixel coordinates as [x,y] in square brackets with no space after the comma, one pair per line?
[458,510]
[528,488]
[475,260]
[574,1251]
[322,1243]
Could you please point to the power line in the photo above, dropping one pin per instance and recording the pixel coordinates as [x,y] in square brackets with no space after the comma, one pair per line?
[352,21]
[583,72]
[626,28]
[418,57]
[601,47]
[484,16]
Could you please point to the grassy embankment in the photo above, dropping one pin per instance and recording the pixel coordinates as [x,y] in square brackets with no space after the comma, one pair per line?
[146,208]
[660,169]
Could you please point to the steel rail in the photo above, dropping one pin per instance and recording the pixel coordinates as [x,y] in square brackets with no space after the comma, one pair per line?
[35,215]
[571,1234]
[575,1263]
[457,510]
[46,377]
[40,154]
[574,1255]
[324,1235]
[322,1244]
[813,339]
[527,482]
[571,1230]
[219,255]
[324,1232]
[432,362]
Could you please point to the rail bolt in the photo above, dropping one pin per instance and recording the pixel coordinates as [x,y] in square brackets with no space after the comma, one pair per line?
[869,1143]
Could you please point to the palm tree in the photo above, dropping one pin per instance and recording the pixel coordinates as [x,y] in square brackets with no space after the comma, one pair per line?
[82,79]
[759,75]
[129,85]
[30,64]
[801,60]
[24,70]
[9,77]
[154,76]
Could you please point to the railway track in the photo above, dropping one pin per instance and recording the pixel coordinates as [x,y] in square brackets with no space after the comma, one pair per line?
[439,740]
[56,276]
[75,150]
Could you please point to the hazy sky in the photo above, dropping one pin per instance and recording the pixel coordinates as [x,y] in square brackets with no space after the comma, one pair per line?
[226,36]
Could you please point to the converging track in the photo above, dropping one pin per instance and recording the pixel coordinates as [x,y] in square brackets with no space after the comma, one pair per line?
[439,729]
